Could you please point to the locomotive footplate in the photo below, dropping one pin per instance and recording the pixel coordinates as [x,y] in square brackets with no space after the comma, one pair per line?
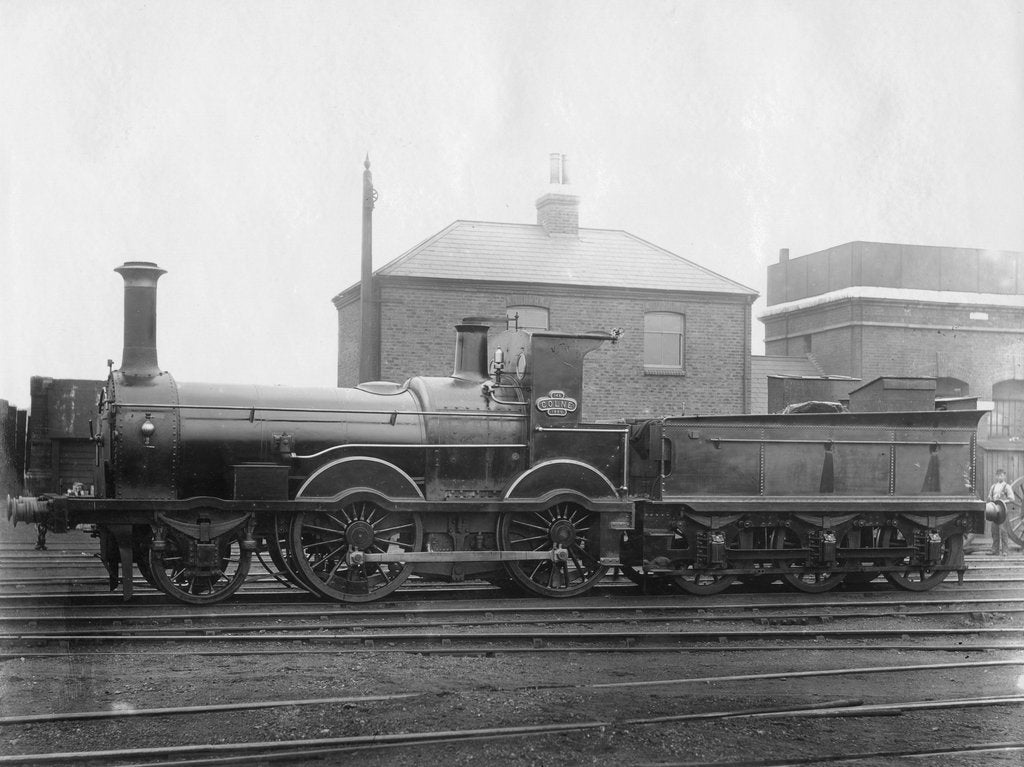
[656,570]
[554,555]
[70,511]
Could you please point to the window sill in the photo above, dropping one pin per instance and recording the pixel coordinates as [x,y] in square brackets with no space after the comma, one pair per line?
[657,371]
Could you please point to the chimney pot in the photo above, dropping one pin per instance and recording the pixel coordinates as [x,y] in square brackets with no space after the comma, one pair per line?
[558,211]
[559,169]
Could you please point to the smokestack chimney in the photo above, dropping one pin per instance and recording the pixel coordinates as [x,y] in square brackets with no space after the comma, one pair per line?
[470,352]
[138,359]
[558,211]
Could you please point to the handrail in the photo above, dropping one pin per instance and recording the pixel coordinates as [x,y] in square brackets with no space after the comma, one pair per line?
[391,446]
[389,413]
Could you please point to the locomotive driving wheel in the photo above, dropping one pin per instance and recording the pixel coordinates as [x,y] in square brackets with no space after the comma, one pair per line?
[918,577]
[566,531]
[198,573]
[327,550]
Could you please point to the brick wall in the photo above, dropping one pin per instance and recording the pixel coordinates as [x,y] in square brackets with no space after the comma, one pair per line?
[418,338]
[349,324]
[867,338]
[559,213]
[980,359]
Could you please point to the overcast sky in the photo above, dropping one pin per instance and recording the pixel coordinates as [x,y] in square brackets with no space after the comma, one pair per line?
[225,141]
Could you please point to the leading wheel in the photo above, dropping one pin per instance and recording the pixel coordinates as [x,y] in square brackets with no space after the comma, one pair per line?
[918,577]
[814,582]
[199,573]
[325,549]
[569,534]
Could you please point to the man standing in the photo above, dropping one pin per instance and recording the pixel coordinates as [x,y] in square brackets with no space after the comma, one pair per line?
[1000,491]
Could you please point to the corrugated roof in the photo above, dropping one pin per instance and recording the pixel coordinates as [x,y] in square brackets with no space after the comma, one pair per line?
[496,252]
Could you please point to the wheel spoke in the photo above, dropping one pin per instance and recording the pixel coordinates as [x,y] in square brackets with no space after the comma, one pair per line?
[328,555]
[396,527]
[522,540]
[543,529]
[320,529]
[388,542]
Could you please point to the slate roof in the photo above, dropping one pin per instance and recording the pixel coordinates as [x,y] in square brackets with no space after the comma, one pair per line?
[498,252]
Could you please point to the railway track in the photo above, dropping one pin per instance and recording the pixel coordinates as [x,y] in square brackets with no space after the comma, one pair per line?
[390,742]
[452,675]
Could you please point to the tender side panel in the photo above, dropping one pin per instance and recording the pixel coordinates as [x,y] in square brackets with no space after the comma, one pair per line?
[824,455]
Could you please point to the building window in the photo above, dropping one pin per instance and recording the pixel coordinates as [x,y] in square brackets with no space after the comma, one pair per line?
[527,317]
[1007,418]
[664,347]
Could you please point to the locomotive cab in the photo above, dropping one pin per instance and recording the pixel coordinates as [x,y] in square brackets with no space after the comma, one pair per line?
[545,370]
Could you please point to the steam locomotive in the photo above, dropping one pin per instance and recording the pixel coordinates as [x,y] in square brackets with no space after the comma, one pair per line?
[490,473]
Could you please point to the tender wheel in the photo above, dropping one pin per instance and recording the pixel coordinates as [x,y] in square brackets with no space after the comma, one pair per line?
[918,578]
[199,574]
[564,527]
[810,583]
[702,582]
[325,549]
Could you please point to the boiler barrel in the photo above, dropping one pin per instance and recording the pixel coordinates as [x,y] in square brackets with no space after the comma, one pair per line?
[218,426]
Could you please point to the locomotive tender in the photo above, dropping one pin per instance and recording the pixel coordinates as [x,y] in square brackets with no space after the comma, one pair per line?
[489,473]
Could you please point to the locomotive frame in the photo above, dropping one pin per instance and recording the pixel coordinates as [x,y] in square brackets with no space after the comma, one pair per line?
[490,473]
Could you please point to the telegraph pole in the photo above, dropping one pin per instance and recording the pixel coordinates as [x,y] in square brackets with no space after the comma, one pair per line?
[367,304]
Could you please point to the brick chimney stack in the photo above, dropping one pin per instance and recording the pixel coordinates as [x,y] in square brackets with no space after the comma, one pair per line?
[558,211]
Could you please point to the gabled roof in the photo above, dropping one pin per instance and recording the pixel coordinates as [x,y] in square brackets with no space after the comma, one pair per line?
[497,252]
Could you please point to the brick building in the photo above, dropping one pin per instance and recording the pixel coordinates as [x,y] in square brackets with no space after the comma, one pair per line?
[869,310]
[686,342]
